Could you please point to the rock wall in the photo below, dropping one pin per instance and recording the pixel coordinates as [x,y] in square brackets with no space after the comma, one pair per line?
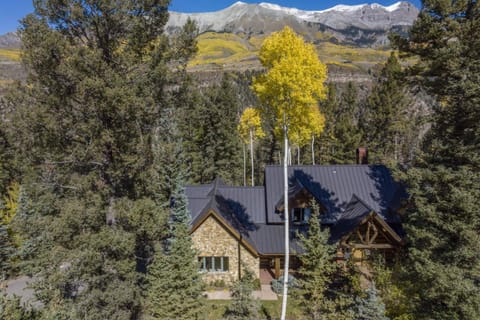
[212,239]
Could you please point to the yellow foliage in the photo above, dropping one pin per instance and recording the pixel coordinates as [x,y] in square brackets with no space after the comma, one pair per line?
[11,204]
[250,121]
[334,53]
[220,48]
[303,128]
[10,54]
[293,82]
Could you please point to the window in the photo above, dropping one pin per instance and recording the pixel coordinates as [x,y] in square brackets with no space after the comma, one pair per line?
[300,215]
[213,264]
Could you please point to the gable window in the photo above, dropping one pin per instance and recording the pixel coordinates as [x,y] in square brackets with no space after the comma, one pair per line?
[301,215]
[213,264]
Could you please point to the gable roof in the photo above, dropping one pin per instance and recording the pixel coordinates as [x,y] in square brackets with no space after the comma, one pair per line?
[348,193]
[356,213]
[333,186]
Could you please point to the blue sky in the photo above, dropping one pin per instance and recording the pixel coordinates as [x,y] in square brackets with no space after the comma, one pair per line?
[11,11]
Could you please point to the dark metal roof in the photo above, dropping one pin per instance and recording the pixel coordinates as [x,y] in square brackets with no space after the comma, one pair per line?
[355,212]
[333,186]
[270,239]
[347,192]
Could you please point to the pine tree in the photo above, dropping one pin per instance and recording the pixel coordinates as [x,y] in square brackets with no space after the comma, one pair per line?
[370,307]
[99,75]
[443,220]
[317,270]
[243,305]
[387,122]
[215,148]
[346,132]
[175,286]
[327,140]
[6,251]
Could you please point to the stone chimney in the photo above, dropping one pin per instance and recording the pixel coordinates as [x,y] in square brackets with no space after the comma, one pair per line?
[362,155]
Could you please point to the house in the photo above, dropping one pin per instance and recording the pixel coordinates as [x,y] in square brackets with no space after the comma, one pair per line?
[237,227]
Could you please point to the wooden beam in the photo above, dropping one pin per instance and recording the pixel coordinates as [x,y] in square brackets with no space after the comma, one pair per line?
[277,267]
[360,236]
[371,246]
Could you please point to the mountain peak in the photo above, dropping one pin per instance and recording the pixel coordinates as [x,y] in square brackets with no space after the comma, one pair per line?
[263,18]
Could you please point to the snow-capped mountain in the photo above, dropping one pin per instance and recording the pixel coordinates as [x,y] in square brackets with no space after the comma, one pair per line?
[346,23]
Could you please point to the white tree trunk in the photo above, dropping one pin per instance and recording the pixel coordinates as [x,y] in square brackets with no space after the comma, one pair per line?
[298,155]
[251,155]
[244,165]
[313,150]
[286,218]
[395,150]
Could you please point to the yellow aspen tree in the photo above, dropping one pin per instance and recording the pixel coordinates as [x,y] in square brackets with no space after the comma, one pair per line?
[11,204]
[304,133]
[250,128]
[292,83]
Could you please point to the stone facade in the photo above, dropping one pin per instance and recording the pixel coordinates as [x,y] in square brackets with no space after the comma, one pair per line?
[213,239]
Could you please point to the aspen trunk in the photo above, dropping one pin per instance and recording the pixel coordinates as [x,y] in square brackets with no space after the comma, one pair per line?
[286,218]
[251,155]
[244,165]
[313,151]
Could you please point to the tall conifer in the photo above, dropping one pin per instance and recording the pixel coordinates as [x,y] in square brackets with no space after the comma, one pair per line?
[443,221]
[175,290]
[99,75]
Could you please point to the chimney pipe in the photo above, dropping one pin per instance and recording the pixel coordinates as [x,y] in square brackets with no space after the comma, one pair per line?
[362,155]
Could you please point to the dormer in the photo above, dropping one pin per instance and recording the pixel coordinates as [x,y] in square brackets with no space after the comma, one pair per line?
[299,203]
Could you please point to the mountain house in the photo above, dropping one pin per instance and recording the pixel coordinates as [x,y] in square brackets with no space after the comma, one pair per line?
[237,227]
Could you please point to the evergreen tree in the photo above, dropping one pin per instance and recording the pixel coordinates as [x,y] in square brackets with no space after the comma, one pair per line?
[99,75]
[346,132]
[444,219]
[11,309]
[6,251]
[386,121]
[175,286]
[327,141]
[370,307]
[243,305]
[317,270]
[215,147]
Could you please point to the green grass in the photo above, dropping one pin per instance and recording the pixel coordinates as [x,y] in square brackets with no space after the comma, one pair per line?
[10,54]
[268,309]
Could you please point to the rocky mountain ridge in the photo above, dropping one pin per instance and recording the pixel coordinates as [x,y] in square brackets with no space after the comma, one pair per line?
[360,25]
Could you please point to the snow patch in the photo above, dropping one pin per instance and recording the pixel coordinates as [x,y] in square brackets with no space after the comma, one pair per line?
[345,8]
[394,6]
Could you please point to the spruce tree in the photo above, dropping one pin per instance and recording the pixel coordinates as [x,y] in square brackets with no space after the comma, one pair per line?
[317,271]
[387,122]
[370,307]
[443,220]
[327,141]
[346,131]
[243,305]
[6,251]
[215,148]
[175,285]
[99,75]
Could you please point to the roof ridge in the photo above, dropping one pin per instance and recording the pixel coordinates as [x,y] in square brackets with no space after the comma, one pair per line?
[355,196]
[243,187]
[326,165]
